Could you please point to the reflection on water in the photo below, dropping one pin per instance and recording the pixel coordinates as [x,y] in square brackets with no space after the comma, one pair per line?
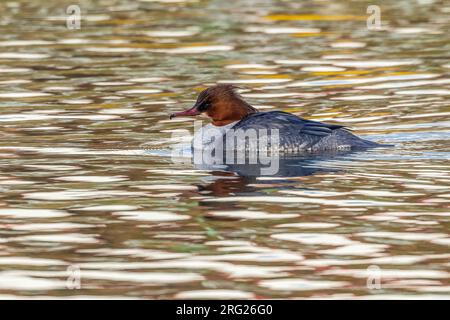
[279,165]
[87,180]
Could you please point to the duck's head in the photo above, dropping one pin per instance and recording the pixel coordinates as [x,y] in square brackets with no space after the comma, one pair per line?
[221,103]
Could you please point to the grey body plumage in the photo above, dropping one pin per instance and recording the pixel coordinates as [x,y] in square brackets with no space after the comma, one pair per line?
[297,135]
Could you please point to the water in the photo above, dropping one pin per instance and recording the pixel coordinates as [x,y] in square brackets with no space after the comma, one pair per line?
[91,199]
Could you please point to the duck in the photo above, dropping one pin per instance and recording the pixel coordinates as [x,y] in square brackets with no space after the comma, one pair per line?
[228,110]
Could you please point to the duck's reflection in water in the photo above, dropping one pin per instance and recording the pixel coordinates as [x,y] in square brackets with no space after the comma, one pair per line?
[245,179]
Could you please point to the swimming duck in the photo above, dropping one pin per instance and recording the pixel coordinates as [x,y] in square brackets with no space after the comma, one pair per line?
[228,110]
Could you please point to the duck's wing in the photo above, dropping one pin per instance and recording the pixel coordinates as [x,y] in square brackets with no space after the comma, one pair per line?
[286,123]
[297,134]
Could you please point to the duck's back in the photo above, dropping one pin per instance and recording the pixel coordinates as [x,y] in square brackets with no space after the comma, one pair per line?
[297,134]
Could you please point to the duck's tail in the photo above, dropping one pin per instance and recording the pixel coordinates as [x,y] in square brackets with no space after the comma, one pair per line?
[363,143]
[355,142]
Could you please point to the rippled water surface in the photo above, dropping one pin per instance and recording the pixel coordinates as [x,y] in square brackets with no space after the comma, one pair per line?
[88,185]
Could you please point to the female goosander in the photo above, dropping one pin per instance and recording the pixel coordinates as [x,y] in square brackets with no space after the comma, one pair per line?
[228,110]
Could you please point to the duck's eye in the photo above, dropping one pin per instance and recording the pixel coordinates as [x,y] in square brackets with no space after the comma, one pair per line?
[203,106]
